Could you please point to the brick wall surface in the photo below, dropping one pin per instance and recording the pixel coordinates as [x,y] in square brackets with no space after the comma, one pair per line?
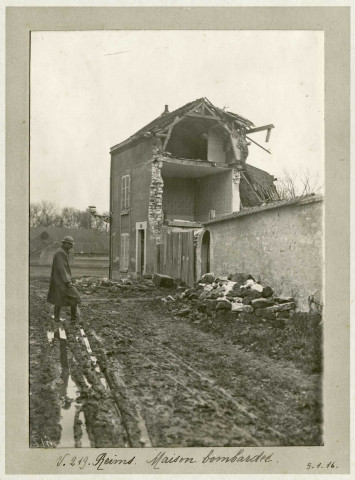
[179,198]
[135,162]
[213,192]
[283,246]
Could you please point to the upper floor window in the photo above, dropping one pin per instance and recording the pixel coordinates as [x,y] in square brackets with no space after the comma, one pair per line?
[125,192]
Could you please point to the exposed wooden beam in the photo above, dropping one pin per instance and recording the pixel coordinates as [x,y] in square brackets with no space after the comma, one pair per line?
[209,110]
[177,120]
[268,151]
[252,188]
[234,141]
[200,115]
[260,129]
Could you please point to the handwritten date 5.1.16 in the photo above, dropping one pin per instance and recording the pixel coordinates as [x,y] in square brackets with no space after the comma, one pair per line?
[324,466]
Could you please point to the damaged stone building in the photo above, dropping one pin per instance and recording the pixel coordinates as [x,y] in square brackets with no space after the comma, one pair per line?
[184,168]
[184,202]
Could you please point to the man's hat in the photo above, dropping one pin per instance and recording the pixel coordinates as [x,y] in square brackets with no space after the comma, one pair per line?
[68,240]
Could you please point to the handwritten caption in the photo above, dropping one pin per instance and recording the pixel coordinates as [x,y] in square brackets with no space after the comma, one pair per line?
[103,460]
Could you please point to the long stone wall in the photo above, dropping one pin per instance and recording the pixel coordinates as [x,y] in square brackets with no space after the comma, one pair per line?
[282,245]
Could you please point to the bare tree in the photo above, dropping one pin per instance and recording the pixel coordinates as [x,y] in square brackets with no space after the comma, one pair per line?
[69,217]
[35,213]
[293,184]
[82,218]
[46,214]
[43,214]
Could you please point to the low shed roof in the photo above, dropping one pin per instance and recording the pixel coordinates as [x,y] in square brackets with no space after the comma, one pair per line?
[86,240]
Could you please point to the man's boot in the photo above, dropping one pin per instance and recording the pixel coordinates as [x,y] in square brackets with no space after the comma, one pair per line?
[56,313]
[74,316]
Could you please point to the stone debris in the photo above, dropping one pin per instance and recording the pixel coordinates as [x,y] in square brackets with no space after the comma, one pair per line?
[163,280]
[284,299]
[239,294]
[262,302]
[130,285]
[267,292]
[221,298]
[257,287]
[207,278]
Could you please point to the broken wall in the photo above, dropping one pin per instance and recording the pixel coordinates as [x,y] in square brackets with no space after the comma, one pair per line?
[282,245]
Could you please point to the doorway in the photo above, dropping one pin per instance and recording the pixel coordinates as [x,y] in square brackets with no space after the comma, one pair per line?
[205,253]
[141,228]
[141,251]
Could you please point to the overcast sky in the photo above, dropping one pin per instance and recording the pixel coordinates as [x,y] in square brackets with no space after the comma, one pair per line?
[91,90]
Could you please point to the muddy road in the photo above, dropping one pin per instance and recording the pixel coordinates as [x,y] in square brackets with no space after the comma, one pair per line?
[132,373]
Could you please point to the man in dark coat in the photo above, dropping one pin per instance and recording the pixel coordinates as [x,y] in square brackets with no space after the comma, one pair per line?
[61,292]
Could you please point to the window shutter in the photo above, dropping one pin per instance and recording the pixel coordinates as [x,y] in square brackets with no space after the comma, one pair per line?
[125,192]
[128,189]
[123,187]
[124,251]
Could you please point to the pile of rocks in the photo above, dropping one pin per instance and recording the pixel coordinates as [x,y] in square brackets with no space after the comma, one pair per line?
[236,295]
[128,285]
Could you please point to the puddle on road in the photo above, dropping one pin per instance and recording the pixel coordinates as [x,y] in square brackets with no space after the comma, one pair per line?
[69,392]
[62,334]
[50,336]
[94,359]
[74,433]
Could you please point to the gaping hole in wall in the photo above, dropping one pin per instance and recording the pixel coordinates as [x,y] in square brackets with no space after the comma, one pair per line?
[219,146]
[200,139]
[179,198]
[191,194]
[188,139]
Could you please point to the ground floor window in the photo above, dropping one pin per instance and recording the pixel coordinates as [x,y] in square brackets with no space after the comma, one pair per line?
[124,252]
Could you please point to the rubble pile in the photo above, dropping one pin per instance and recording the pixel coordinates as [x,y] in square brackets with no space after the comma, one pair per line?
[234,297]
[115,288]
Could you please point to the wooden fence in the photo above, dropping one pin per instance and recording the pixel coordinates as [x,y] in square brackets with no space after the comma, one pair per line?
[178,258]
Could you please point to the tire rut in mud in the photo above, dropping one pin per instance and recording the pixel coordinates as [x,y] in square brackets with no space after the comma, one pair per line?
[182,406]
[63,374]
[142,382]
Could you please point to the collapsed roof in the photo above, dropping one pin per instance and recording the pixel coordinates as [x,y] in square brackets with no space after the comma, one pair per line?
[166,118]
[201,107]
[201,131]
